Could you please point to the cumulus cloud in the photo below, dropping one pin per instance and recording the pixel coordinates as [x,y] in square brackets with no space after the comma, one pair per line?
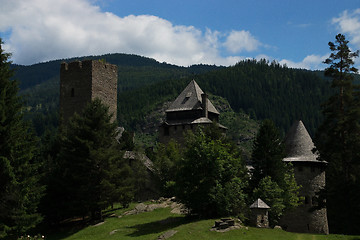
[239,41]
[309,62]
[43,30]
[349,23]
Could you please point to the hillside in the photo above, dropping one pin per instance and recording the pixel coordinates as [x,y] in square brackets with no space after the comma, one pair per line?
[39,83]
[151,225]
[241,128]
[133,70]
[259,89]
[256,88]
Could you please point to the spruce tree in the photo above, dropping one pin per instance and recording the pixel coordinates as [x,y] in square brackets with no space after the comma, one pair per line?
[90,171]
[272,180]
[20,191]
[267,155]
[338,140]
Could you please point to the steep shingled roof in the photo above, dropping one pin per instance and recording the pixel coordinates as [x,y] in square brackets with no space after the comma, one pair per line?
[299,145]
[259,204]
[190,99]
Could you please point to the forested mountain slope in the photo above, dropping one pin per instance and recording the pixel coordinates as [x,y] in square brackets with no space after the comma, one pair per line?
[258,88]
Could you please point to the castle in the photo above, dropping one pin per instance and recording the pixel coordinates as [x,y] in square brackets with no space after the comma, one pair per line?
[191,109]
[83,81]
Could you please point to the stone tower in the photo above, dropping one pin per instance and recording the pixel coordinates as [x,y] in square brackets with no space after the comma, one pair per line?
[310,174]
[83,81]
[259,214]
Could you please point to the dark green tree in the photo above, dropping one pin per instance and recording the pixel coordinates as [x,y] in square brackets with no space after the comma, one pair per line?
[273,180]
[20,190]
[166,160]
[270,192]
[338,139]
[211,178]
[267,155]
[90,171]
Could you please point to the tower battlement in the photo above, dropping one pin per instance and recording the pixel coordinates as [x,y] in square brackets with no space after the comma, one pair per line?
[83,81]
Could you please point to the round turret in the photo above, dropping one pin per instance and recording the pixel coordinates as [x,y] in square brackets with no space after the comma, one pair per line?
[310,174]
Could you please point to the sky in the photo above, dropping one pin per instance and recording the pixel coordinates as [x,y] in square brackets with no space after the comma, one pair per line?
[181,32]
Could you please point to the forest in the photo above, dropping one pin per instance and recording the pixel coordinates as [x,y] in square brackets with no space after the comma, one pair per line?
[47,165]
[257,88]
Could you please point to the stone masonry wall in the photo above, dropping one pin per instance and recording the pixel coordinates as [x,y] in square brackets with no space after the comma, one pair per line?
[75,87]
[81,82]
[311,176]
[104,85]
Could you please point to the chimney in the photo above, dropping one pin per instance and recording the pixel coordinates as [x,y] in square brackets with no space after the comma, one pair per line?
[205,105]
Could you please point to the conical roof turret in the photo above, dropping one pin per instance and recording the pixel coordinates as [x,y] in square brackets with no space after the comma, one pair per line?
[299,145]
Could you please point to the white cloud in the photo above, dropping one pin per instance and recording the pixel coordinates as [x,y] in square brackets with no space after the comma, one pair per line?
[349,23]
[314,62]
[239,41]
[42,30]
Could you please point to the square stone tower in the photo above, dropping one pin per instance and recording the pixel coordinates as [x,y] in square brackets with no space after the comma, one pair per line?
[83,81]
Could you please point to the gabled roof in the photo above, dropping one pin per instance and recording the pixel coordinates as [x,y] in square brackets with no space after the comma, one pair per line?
[259,204]
[190,99]
[299,145]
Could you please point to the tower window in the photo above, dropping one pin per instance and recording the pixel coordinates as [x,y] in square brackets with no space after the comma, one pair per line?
[72,92]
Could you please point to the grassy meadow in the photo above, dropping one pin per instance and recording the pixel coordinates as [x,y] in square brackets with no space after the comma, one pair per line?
[150,225]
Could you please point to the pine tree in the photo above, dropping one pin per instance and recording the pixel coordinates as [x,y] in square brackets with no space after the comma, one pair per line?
[267,155]
[272,180]
[92,173]
[20,191]
[338,140]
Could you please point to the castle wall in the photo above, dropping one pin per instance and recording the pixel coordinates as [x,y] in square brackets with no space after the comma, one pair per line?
[75,87]
[176,132]
[104,85]
[311,177]
[83,81]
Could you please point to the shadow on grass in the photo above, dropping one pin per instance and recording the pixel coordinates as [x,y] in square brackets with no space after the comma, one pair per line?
[65,230]
[158,226]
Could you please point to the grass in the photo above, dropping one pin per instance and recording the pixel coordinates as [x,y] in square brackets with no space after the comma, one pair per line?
[150,225]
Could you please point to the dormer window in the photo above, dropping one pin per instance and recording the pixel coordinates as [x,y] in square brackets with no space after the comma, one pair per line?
[188,95]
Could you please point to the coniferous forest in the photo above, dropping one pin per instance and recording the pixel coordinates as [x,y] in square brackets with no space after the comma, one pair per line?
[37,155]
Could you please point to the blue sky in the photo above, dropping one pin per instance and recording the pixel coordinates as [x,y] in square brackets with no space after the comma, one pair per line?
[180,32]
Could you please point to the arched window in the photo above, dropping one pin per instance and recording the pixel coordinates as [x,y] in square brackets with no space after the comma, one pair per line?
[72,92]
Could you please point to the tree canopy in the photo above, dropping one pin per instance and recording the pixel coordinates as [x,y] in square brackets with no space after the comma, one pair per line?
[212,178]
[90,173]
[20,190]
[338,139]
[272,180]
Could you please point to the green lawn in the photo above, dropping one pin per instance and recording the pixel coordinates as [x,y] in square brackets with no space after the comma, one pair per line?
[150,225]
